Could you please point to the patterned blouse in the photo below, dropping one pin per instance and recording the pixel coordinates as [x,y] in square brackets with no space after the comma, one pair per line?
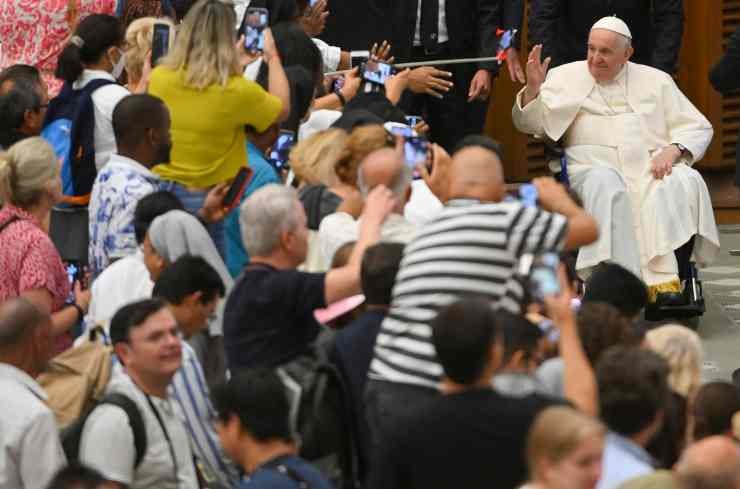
[29,260]
[34,32]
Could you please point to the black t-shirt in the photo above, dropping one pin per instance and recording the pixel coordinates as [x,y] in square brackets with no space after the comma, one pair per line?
[269,319]
[474,439]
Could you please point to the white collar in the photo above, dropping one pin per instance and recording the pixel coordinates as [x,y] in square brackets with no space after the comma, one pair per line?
[115,158]
[89,75]
[15,374]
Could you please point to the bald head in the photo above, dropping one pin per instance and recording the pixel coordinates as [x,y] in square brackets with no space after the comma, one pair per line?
[477,173]
[385,167]
[18,318]
[712,463]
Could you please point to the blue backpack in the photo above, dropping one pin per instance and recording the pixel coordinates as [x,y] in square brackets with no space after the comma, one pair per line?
[70,129]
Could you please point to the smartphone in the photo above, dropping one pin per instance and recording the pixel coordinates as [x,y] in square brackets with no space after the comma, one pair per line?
[358,58]
[528,195]
[414,120]
[337,84]
[75,273]
[543,276]
[238,186]
[161,41]
[255,21]
[415,152]
[377,72]
[400,129]
[281,150]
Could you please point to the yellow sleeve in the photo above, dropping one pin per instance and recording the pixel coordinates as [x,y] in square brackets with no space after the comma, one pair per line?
[255,106]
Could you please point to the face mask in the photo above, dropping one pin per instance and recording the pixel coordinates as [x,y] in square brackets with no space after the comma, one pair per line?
[119,65]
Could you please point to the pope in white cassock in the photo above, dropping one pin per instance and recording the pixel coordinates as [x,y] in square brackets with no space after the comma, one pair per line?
[630,137]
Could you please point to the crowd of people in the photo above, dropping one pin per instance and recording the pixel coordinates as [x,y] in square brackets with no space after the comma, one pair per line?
[183,306]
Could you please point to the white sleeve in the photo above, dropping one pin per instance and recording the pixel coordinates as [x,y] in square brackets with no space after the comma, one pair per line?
[41,451]
[331,55]
[334,231]
[107,444]
[529,118]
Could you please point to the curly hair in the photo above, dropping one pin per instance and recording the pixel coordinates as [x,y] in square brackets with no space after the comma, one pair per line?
[600,326]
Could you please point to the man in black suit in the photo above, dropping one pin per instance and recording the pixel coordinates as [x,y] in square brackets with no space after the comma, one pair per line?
[562,27]
[451,98]
[725,78]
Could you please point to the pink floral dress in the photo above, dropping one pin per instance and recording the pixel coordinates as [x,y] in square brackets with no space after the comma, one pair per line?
[33,32]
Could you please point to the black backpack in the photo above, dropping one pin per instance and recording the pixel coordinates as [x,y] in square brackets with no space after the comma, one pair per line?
[72,435]
[70,129]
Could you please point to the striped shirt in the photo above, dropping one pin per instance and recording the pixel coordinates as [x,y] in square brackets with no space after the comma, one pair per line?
[190,391]
[470,248]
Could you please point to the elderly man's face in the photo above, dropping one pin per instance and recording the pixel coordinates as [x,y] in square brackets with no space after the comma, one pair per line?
[607,53]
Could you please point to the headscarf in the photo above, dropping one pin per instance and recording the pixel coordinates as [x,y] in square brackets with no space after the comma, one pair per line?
[178,233]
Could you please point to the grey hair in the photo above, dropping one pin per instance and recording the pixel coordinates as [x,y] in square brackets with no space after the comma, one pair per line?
[266,214]
[398,186]
[626,41]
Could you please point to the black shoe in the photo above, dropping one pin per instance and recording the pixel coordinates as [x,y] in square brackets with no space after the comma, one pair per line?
[670,299]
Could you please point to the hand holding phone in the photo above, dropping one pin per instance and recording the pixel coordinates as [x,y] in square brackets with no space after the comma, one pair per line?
[542,275]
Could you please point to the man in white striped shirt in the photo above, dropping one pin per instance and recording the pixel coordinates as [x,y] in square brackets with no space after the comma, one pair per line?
[470,249]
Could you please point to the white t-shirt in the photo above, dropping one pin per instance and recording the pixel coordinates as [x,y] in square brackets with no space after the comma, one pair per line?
[104,100]
[107,443]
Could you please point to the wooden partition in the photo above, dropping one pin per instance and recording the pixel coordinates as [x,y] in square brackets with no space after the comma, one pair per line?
[708,25]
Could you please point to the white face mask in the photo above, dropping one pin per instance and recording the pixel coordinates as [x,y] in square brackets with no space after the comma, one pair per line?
[119,66]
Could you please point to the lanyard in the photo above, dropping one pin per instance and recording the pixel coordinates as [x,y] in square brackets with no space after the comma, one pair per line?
[166,436]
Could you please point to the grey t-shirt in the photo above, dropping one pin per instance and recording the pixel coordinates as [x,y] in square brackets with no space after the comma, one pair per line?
[107,443]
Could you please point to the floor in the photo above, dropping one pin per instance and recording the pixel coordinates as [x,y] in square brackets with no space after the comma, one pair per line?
[719,328]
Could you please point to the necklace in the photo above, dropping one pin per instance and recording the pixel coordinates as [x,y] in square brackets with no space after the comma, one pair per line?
[626,93]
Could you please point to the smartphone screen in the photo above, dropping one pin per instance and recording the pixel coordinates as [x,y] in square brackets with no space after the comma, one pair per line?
[415,152]
[281,150]
[75,273]
[528,195]
[377,72]
[337,84]
[401,130]
[543,276]
[160,42]
[238,186]
[255,20]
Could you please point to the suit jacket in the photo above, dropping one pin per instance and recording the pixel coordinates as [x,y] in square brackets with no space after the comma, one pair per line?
[562,26]
[471,26]
[725,78]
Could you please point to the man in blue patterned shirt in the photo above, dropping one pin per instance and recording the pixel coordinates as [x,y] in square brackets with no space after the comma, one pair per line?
[141,124]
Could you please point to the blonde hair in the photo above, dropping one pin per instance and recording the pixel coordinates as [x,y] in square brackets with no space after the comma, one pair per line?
[139,44]
[681,348]
[26,170]
[362,141]
[313,159]
[556,432]
[205,46]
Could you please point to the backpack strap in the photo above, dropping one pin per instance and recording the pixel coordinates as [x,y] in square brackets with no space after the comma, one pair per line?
[135,420]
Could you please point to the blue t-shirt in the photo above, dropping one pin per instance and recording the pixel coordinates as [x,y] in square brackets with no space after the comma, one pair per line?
[264,174]
[268,476]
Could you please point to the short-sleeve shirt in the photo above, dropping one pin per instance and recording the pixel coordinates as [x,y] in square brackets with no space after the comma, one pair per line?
[470,248]
[208,140]
[107,442]
[28,259]
[269,318]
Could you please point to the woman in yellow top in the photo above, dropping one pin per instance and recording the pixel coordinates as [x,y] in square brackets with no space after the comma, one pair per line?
[210,102]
